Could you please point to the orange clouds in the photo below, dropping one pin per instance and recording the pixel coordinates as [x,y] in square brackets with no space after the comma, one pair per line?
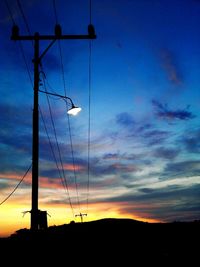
[71,167]
[46,182]
[14,176]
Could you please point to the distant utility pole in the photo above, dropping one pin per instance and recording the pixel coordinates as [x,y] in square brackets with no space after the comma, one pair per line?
[37,216]
[81,215]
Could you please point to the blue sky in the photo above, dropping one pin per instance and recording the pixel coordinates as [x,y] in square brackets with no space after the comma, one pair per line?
[145,102]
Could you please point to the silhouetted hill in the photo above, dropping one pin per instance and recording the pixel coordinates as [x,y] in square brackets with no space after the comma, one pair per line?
[112,238]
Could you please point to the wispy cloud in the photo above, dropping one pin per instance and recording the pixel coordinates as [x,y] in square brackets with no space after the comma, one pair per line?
[12,115]
[181,169]
[166,153]
[122,156]
[169,64]
[155,137]
[125,119]
[115,168]
[163,112]
[4,185]
[191,141]
[168,203]
[111,156]
[141,131]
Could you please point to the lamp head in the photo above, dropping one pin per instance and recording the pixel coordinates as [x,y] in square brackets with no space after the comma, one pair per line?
[74,110]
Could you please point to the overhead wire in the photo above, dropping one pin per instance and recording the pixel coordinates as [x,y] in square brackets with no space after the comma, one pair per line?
[25,61]
[9,11]
[20,44]
[24,17]
[73,162]
[16,185]
[89,126]
[62,67]
[28,71]
[63,178]
[13,21]
[55,11]
[90,11]
[58,148]
[64,181]
[42,117]
[51,146]
[89,109]
[68,119]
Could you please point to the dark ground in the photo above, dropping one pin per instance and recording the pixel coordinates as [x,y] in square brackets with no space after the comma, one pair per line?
[114,240]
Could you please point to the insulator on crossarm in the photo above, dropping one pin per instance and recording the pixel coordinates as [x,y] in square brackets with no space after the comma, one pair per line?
[58,30]
[91,30]
[15,32]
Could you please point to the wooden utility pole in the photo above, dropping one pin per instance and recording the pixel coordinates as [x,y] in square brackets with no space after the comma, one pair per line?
[81,215]
[36,38]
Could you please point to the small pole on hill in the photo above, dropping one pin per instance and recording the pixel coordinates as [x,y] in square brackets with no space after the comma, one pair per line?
[81,215]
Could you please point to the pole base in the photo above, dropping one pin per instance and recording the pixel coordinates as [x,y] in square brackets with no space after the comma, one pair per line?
[39,220]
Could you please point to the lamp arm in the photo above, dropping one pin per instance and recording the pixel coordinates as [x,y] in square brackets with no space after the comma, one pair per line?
[61,96]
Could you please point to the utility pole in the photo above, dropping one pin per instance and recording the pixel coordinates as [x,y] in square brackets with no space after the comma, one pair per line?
[81,215]
[36,214]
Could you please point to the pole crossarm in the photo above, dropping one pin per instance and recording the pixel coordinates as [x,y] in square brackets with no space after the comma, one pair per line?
[51,37]
[57,36]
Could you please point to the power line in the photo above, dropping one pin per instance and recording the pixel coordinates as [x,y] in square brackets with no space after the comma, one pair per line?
[43,121]
[89,122]
[20,44]
[58,148]
[73,161]
[24,17]
[55,12]
[90,10]
[62,67]
[9,11]
[64,181]
[16,185]
[28,71]
[59,171]
[23,55]
[54,156]
[30,78]
[89,108]
[26,64]
[69,127]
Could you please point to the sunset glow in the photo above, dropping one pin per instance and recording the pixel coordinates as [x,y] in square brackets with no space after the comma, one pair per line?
[134,149]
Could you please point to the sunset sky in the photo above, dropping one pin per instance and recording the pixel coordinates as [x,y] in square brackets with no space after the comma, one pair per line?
[145,110]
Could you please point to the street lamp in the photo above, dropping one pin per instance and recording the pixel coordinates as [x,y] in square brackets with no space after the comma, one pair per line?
[73,110]
[36,38]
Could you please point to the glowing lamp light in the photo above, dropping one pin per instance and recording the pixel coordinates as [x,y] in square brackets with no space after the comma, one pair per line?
[74,110]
